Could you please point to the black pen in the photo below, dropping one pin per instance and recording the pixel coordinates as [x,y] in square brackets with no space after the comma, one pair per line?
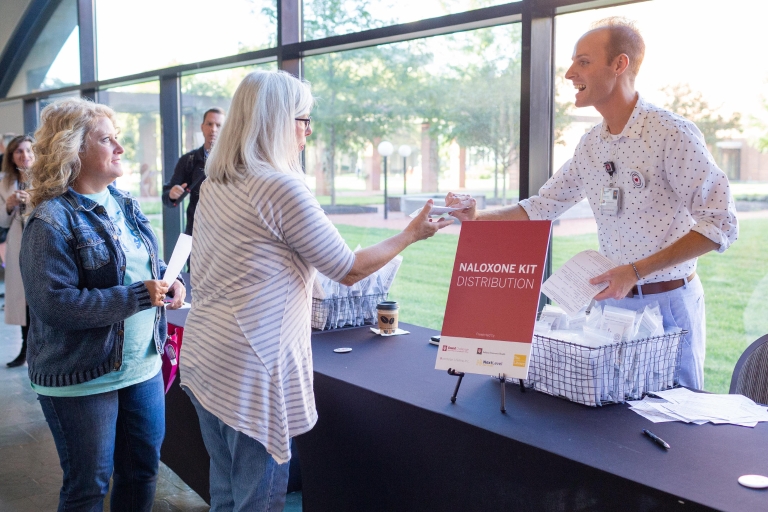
[656,439]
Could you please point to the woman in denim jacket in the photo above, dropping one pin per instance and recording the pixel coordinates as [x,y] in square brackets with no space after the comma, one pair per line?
[92,275]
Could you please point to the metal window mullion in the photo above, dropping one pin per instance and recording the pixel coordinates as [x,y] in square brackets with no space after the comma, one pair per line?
[537,104]
[290,26]
[31,115]
[86,22]
[170,121]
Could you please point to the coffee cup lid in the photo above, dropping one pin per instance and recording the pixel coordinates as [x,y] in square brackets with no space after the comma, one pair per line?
[387,305]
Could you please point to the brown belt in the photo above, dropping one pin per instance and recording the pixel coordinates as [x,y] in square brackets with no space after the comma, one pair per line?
[664,286]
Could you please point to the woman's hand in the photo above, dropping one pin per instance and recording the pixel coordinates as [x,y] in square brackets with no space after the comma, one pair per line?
[157,291]
[422,226]
[178,292]
[18,197]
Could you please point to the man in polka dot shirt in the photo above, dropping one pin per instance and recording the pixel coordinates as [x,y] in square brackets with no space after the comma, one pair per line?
[676,203]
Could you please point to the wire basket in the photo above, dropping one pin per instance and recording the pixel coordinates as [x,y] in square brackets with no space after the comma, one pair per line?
[345,311]
[608,374]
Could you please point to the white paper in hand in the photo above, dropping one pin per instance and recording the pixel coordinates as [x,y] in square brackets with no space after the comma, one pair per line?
[178,258]
[570,287]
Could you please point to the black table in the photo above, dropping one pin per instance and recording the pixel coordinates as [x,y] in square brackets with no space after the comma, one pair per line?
[388,438]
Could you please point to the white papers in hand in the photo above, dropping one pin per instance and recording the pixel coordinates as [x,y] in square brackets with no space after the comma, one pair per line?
[570,287]
[436,210]
[178,258]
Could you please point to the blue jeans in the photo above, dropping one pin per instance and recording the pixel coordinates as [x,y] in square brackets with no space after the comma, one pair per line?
[683,308]
[118,431]
[244,477]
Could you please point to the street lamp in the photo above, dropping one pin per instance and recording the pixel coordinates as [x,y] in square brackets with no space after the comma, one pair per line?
[405,152]
[385,149]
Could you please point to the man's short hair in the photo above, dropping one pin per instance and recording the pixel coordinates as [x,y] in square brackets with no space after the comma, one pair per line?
[215,110]
[624,37]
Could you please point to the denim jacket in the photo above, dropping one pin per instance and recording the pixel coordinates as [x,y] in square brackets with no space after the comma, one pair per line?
[73,269]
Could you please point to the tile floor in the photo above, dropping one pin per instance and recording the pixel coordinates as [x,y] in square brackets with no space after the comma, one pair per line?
[30,476]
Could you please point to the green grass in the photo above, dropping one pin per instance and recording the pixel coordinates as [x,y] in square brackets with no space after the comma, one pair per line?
[733,282]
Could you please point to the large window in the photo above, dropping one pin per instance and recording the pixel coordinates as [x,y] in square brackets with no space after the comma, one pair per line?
[138,118]
[454,101]
[143,35]
[54,60]
[325,18]
[698,64]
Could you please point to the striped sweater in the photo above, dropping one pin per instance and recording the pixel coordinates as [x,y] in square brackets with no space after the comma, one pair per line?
[247,356]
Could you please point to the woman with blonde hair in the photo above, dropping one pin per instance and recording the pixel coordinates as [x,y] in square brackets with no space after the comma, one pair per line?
[259,236]
[93,277]
[14,198]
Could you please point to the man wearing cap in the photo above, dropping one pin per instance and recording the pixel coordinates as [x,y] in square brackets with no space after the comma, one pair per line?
[664,200]
[190,169]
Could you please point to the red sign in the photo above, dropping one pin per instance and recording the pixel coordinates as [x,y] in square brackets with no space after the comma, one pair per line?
[494,296]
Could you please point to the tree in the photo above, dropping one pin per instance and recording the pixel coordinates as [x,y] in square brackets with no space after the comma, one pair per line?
[358,92]
[682,100]
[762,142]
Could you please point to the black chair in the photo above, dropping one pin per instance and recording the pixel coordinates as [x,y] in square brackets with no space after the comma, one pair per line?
[750,376]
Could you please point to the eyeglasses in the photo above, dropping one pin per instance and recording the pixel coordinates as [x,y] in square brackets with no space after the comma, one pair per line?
[306,122]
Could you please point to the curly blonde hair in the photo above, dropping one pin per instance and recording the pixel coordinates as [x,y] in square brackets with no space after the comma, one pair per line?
[61,137]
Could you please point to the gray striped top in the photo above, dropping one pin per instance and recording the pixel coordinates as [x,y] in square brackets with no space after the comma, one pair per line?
[247,356]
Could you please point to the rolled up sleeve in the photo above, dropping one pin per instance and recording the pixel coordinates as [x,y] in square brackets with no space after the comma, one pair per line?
[562,191]
[704,188]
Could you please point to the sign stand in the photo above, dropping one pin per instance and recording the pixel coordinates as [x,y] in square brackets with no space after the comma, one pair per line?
[502,380]
[460,375]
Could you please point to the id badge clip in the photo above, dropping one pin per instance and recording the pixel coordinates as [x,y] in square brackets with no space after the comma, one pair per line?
[610,197]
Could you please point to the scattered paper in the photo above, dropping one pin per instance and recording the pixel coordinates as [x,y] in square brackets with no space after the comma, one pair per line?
[178,258]
[397,332]
[681,404]
[570,287]
[436,211]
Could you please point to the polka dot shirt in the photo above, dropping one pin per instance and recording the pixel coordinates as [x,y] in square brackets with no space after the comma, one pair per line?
[669,185]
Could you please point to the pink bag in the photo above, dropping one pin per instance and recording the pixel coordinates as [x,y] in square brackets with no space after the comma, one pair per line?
[171,354]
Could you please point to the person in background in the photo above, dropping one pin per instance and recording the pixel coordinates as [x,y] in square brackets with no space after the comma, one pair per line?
[259,236]
[190,169]
[675,206]
[4,139]
[93,277]
[14,199]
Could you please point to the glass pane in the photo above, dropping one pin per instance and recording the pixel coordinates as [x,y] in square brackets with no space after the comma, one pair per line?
[325,18]
[55,58]
[138,117]
[202,91]
[11,120]
[453,102]
[730,108]
[168,33]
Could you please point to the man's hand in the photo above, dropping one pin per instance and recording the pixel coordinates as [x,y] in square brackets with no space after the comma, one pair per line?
[620,280]
[157,291]
[422,226]
[176,191]
[464,201]
[178,291]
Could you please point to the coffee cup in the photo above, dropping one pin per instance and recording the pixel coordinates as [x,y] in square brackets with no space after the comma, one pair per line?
[387,312]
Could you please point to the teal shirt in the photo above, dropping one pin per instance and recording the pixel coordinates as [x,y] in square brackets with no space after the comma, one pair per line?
[140,358]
